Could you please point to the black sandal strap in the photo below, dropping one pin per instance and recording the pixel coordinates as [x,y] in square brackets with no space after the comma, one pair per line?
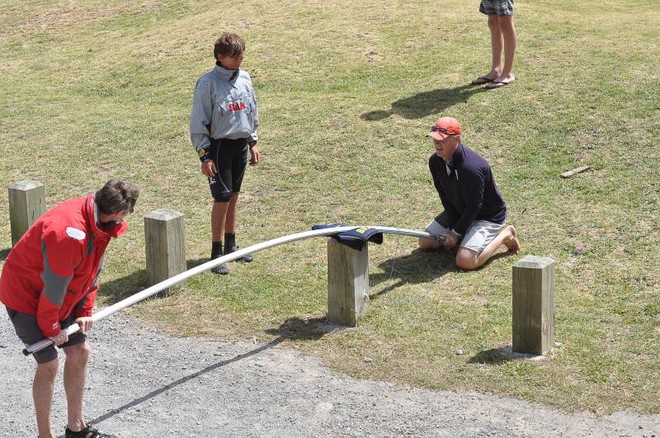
[85,433]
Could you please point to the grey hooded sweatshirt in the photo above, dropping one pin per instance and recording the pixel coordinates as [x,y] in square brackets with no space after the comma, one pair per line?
[224,106]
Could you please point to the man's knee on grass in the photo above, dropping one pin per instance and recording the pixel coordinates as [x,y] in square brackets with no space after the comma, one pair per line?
[467,259]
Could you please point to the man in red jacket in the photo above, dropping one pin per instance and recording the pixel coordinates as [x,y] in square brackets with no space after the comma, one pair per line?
[49,281]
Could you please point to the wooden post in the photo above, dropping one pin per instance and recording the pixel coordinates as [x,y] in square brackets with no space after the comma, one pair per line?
[164,235]
[533,305]
[348,283]
[27,201]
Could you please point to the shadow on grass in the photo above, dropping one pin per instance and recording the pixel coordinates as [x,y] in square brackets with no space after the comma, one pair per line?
[427,103]
[194,263]
[121,288]
[494,356]
[309,329]
[4,253]
[420,266]
[497,256]
[498,356]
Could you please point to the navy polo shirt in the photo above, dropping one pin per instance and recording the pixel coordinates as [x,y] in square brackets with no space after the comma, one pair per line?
[467,190]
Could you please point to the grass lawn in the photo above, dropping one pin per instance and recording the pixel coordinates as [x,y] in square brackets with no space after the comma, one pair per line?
[347,92]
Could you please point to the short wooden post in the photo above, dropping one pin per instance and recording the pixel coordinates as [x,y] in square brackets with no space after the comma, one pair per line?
[533,305]
[164,235]
[27,201]
[348,283]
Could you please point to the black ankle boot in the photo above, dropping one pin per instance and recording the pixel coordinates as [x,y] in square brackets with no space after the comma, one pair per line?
[230,246]
[216,252]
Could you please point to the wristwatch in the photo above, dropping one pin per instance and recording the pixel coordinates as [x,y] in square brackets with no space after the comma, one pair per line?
[204,155]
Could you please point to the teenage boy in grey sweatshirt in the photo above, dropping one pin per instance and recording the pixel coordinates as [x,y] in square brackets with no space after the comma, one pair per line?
[223,129]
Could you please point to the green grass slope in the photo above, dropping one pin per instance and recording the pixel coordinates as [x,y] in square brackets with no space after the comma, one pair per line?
[347,92]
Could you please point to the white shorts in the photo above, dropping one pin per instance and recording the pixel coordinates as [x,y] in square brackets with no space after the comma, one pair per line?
[477,237]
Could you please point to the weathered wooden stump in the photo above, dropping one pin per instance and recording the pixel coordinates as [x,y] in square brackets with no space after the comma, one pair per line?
[27,201]
[533,305]
[348,283]
[164,235]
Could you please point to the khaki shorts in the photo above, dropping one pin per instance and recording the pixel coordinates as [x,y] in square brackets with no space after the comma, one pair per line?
[477,237]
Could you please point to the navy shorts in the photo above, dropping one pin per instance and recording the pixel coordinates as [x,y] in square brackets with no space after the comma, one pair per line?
[230,158]
[496,7]
[29,332]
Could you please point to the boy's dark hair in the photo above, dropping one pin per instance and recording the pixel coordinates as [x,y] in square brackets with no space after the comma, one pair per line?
[229,44]
[117,195]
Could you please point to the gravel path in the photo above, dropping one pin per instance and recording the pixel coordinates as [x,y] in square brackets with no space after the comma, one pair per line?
[143,383]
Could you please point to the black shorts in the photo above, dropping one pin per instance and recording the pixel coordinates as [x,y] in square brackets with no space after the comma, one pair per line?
[29,332]
[230,158]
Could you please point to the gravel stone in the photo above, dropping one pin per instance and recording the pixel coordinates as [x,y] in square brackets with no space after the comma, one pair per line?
[143,383]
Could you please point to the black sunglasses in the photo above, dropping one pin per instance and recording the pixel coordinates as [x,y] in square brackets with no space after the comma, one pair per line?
[441,130]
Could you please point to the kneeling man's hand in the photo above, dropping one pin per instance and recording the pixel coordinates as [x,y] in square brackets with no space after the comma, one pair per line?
[450,241]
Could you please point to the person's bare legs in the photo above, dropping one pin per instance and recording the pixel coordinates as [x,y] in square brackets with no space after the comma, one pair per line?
[230,229]
[43,387]
[468,259]
[230,218]
[75,374]
[508,41]
[496,46]
[218,218]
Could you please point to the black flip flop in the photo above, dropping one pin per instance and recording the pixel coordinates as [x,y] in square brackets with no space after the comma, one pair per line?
[481,80]
[497,84]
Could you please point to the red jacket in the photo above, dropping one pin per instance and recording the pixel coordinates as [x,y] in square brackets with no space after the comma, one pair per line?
[54,268]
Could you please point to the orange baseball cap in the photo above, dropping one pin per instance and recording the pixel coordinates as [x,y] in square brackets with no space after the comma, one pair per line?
[444,127]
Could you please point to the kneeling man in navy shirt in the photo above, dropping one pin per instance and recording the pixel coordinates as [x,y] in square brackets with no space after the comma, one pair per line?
[474,212]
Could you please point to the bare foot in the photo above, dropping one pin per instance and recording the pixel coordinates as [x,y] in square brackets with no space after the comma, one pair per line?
[505,79]
[511,241]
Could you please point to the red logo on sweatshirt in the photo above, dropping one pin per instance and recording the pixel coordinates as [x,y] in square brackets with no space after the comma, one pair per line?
[236,106]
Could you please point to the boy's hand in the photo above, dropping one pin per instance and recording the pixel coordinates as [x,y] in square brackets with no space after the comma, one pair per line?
[208,168]
[255,155]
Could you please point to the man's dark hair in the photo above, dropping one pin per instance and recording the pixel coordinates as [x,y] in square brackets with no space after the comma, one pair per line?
[229,44]
[117,195]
